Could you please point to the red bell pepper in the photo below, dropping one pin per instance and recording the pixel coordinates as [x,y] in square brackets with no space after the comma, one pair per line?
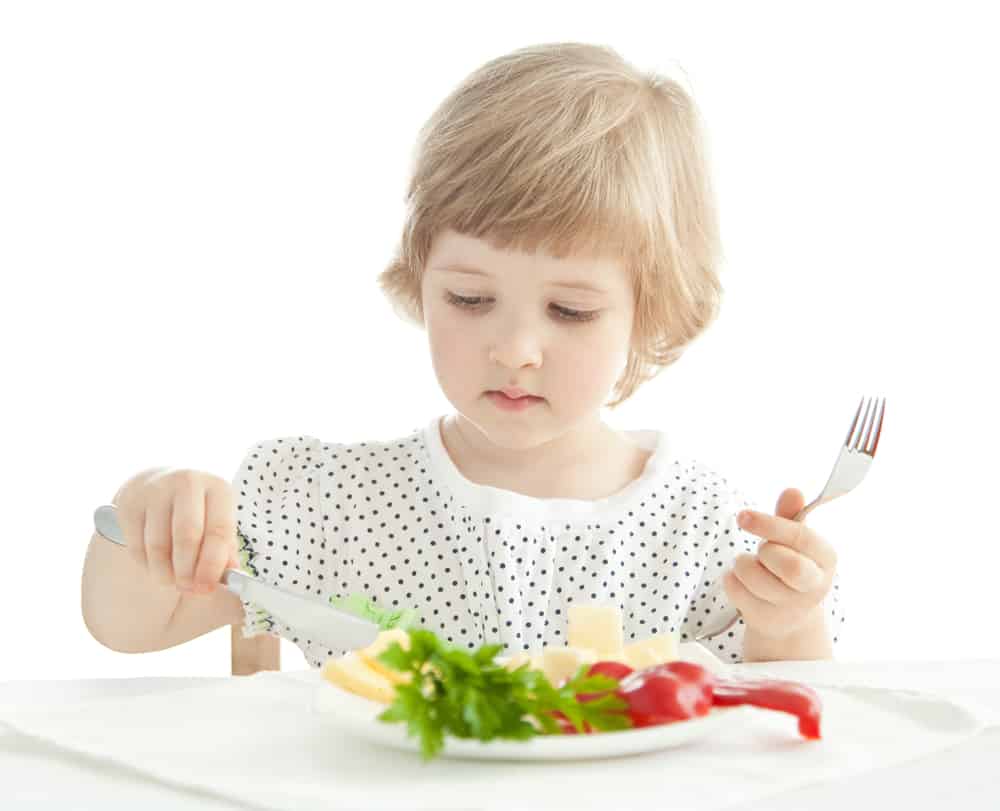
[672,691]
[675,691]
[770,694]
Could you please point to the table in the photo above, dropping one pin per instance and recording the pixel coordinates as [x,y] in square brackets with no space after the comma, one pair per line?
[34,775]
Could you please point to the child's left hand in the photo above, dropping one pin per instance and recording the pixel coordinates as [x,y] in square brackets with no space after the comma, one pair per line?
[780,589]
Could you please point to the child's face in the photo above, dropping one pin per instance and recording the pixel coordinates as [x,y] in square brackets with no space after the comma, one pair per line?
[503,318]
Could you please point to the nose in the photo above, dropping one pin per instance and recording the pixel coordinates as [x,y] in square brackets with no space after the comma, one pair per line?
[517,346]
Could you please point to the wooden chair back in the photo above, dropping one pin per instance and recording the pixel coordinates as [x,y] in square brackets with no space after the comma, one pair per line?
[249,656]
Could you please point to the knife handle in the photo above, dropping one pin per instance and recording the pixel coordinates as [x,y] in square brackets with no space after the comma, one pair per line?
[107,526]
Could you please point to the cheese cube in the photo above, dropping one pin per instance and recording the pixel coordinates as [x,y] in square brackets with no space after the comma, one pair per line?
[598,627]
[515,661]
[351,673]
[561,662]
[533,660]
[382,642]
[649,652]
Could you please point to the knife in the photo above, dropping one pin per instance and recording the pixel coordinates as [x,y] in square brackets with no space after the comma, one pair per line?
[311,617]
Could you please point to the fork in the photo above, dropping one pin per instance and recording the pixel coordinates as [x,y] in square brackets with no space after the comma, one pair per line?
[853,462]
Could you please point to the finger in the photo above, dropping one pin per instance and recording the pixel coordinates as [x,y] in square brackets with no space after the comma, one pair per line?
[761,583]
[156,537]
[132,522]
[188,529]
[794,534]
[748,604]
[790,502]
[792,569]
[234,561]
[218,549]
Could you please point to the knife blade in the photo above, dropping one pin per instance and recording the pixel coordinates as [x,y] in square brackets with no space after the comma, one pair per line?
[311,617]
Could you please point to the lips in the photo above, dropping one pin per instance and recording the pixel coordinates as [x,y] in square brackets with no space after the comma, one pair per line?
[504,401]
[515,393]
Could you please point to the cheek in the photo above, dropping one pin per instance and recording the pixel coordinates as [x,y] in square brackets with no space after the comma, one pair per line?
[595,360]
[453,344]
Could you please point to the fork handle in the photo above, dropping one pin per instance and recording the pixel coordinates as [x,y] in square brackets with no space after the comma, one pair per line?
[812,505]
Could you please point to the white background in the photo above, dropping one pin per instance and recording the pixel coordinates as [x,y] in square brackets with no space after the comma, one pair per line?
[196,197]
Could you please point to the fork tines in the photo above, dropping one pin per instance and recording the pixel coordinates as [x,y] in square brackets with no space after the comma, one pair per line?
[861,440]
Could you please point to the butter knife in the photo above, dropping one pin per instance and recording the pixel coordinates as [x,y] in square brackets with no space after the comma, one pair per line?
[311,618]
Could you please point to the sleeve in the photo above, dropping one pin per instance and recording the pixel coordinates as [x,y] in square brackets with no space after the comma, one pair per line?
[710,602]
[279,527]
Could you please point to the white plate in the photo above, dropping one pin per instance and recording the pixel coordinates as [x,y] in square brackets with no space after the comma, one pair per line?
[357,716]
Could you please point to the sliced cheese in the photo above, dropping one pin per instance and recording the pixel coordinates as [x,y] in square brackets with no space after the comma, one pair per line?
[532,660]
[515,661]
[597,627]
[700,655]
[652,651]
[382,642]
[561,662]
[351,673]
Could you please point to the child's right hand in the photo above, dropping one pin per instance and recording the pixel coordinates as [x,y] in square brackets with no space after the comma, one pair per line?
[180,525]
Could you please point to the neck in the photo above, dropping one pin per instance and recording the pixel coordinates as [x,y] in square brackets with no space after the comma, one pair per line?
[582,444]
[590,461]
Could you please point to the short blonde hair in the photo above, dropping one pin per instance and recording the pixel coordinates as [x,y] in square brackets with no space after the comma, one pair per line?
[568,149]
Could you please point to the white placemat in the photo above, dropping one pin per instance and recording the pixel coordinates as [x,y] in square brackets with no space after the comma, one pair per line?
[256,740]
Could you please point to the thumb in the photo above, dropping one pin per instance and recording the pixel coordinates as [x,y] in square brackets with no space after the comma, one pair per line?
[234,561]
[789,503]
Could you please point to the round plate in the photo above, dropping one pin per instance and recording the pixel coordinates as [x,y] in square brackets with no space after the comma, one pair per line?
[357,716]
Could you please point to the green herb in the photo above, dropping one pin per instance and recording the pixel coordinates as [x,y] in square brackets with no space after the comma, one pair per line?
[469,695]
[385,618]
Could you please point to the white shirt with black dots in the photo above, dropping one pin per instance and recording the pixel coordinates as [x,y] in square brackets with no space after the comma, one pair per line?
[396,521]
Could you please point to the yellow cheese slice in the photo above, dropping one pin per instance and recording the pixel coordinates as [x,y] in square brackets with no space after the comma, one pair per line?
[351,673]
[515,661]
[652,651]
[382,642]
[561,662]
[597,627]
[532,660]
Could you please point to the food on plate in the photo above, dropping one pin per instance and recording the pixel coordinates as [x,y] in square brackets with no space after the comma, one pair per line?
[382,642]
[668,692]
[595,632]
[534,661]
[384,618]
[560,662]
[469,694]
[597,627]
[353,673]
[596,685]
[772,694]
[652,651]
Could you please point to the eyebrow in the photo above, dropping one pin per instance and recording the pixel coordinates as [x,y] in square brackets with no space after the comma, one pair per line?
[473,271]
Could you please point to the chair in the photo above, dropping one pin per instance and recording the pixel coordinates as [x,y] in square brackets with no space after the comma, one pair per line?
[249,656]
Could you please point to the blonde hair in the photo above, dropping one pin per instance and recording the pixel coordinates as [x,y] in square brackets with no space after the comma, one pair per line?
[568,149]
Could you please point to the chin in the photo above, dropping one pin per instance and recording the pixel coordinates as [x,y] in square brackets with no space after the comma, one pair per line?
[512,438]
[510,431]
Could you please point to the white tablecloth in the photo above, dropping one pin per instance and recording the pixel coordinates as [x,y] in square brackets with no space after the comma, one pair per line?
[103,744]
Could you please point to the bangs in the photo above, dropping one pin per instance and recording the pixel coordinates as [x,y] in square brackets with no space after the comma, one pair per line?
[577,203]
[542,173]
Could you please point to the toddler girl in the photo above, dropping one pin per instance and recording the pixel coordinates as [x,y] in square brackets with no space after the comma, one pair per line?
[560,248]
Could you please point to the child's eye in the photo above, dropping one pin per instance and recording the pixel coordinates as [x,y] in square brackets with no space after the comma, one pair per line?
[479,302]
[468,302]
[568,314]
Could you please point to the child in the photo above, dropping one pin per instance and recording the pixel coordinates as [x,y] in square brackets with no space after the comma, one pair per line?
[560,245]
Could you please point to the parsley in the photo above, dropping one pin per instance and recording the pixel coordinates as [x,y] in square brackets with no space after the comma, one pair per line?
[469,695]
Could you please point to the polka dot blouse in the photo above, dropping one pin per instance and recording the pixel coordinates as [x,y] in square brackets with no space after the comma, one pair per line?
[397,522]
